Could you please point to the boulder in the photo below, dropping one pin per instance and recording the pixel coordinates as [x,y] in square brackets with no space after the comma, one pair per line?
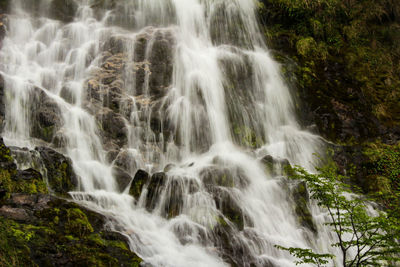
[154,189]
[301,201]
[139,181]
[154,184]
[275,166]
[122,177]
[226,203]
[60,174]
[126,161]
[223,176]
[46,116]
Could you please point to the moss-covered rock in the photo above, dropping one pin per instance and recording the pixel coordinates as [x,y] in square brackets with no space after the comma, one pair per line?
[275,166]
[141,179]
[46,118]
[60,174]
[37,229]
[61,233]
[301,201]
[13,180]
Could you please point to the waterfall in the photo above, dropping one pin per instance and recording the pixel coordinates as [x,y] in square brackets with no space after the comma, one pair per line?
[184,90]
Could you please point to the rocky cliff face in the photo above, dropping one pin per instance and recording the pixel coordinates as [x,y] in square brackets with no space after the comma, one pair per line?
[343,58]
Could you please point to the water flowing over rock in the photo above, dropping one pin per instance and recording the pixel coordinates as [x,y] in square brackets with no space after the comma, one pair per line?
[162,113]
[60,174]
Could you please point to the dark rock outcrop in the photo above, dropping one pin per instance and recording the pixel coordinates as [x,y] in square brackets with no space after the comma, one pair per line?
[3,31]
[63,10]
[46,116]
[113,127]
[301,201]
[139,181]
[2,103]
[60,174]
[122,178]
[275,166]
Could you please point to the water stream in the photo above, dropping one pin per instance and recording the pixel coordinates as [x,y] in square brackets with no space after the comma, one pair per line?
[191,94]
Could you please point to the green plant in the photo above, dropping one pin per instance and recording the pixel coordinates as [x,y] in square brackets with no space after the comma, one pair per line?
[374,239]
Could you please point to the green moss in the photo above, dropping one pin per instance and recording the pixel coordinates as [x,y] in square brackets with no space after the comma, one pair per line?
[383,167]
[77,223]
[245,136]
[344,50]
[117,244]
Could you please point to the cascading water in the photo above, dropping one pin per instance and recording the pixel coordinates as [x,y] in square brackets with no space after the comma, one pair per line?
[183,89]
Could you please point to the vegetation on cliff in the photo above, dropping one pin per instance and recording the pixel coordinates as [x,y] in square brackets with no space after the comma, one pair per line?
[345,58]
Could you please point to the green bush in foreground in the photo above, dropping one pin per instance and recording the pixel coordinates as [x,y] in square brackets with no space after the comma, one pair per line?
[374,239]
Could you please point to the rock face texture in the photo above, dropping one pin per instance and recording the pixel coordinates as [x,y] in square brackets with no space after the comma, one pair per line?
[121,91]
[347,78]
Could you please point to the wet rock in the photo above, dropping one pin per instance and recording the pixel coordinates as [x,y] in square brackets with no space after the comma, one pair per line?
[2,103]
[140,47]
[301,201]
[223,176]
[126,161]
[154,185]
[275,166]
[63,10]
[174,197]
[60,174]
[231,247]
[154,188]
[141,179]
[46,116]
[27,159]
[3,31]
[114,45]
[122,177]
[161,63]
[28,174]
[67,95]
[6,160]
[169,167]
[113,127]
[228,206]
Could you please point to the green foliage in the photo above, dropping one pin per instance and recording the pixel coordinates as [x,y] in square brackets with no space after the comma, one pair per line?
[385,161]
[341,46]
[307,256]
[374,238]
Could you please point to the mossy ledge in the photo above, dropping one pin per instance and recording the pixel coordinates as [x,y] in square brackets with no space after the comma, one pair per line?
[39,229]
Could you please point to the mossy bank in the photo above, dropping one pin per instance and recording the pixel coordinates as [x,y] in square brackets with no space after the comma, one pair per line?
[39,229]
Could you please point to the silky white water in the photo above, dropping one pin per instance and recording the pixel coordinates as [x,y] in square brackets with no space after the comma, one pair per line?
[221,104]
